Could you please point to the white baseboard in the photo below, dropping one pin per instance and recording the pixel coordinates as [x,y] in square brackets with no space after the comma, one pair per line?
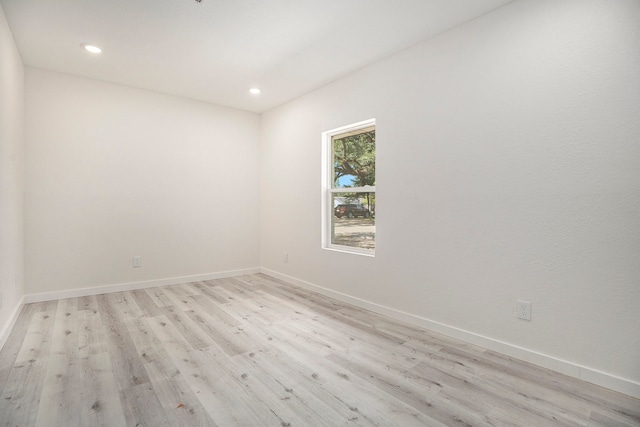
[8,327]
[106,289]
[622,385]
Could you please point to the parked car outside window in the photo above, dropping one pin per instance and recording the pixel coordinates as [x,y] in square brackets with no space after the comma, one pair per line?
[351,210]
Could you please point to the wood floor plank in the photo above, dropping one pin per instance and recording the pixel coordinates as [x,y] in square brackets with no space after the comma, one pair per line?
[59,399]
[127,365]
[21,393]
[277,383]
[88,302]
[99,403]
[350,399]
[99,400]
[232,343]
[142,407]
[208,288]
[269,388]
[145,302]
[174,393]
[256,351]
[158,297]
[222,398]
[147,344]
[189,289]
[422,399]
[215,310]
[14,343]
[178,297]
[127,305]
[189,329]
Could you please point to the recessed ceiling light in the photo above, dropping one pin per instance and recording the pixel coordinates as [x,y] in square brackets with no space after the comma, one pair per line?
[254,90]
[91,48]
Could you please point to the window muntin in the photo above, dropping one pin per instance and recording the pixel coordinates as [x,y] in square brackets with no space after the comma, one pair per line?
[349,188]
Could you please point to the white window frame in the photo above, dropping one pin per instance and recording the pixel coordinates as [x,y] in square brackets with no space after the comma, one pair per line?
[328,189]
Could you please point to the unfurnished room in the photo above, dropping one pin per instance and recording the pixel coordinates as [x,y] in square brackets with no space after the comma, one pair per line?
[319,213]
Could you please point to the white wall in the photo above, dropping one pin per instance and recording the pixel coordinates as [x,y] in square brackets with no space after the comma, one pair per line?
[11,177]
[113,172]
[508,168]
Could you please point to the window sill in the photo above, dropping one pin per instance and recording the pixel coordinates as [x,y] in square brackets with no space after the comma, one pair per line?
[351,250]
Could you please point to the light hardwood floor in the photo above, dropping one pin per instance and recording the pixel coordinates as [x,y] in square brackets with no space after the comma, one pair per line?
[254,351]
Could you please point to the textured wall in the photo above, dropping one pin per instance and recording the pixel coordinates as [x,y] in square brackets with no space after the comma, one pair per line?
[508,168]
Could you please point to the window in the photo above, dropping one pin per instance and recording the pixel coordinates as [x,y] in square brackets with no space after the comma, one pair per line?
[349,188]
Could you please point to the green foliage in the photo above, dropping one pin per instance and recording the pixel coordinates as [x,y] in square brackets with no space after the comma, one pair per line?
[355,155]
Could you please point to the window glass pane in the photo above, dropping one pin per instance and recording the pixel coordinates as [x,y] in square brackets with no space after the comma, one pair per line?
[353,221]
[354,159]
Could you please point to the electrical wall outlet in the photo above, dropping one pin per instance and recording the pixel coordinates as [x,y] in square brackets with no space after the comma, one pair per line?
[137,261]
[285,256]
[523,309]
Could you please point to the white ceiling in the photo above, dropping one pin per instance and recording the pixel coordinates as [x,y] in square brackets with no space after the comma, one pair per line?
[217,50]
